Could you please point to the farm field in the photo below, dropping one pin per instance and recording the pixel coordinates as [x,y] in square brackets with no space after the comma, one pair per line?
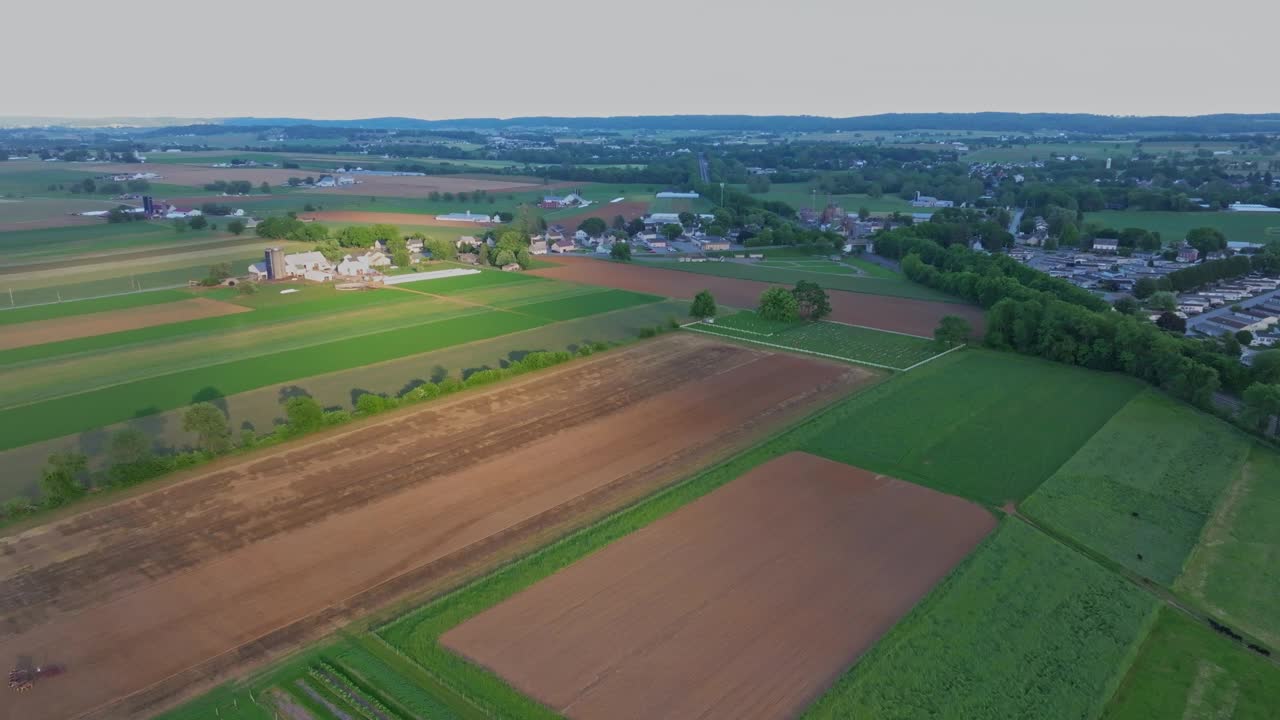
[154,390]
[1173,226]
[45,244]
[971,423]
[39,212]
[1141,490]
[833,278]
[260,555]
[1232,572]
[84,307]
[1025,628]
[914,317]
[1184,670]
[69,328]
[260,409]
[710,601]
[892,351]
[798,195]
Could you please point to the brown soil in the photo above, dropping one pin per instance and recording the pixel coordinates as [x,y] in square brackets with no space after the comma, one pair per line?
[61,220]
[915,317]
[606,212]
[164,593]
[78,326]
[747,603]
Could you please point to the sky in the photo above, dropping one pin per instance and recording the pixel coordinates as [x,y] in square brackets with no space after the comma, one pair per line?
[500,58]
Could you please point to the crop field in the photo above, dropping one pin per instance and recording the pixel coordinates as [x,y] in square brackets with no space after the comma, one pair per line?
[1233,572]
[971,423]
[1173,226]
[84,307]
[710,602]
[1184,670]
[74,327]
[1141,490]
[891,286]
[312,534]
[799,195]
[1025,628]
[460,283]
[878,348]
[37,212]
[24,246]
[915,317]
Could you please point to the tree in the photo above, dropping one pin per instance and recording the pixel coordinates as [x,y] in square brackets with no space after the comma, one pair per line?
[235,227]
[1070,236]
[952,330]
[779,304]
[863,213]
[504,257]
[1266,366]
[199,222]
[217,273]
[265,187]
[210,427]
[1244,337]
[60,479]
[1261,401]
[247,288]
[671,231]
[619,222]
[704,305]
[304,413]
[128,447]
[811,300]
[1126,305]
[1163,300]
[621,251]
[1171,322]
[401,257]
[593,226]
[1144,288]
[1206,240]
[440,249]
[687,218]
[370,404]
[354,236]
[635,226]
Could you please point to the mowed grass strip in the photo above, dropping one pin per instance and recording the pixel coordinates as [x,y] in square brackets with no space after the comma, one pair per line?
[1185,670]
[1234,571]
[462,283]
[88,410]
[837,340]
[584,305]
[979,424]
[1025,628]
[87,307]
[1142,488]
[269,307]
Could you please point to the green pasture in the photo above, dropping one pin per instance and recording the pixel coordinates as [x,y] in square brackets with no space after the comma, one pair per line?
[460,284]
[117,279]
[46,244]
[1185,670]
[29,209]
[36,313]
[1024,628]
[1173,226]
[892,286]
[1233,572]
[1142,488]
[889,350]
[801,195]
[978,424]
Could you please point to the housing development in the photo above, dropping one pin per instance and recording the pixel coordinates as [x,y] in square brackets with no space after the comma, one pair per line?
[710,416]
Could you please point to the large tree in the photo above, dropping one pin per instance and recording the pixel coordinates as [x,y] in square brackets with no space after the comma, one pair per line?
[620,251]
[593,226]
[779,304]
[60,480]
[1266,366]
[952,330]
[1206,240]
[1171,322]
[704,305]
[304,413]
[671,231]
[811,300]
[210,427]
[1261,401]
[1163,300]
[1144,288]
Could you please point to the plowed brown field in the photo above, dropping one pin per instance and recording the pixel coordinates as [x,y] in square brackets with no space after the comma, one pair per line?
[161,594]
[747,603]
[914,317]
[77,326]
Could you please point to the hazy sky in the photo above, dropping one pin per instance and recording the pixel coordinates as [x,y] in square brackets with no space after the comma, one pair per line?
[433,59]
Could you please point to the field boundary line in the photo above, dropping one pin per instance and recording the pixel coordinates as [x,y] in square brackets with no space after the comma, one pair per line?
[935,357]
[799,350]
[868,327]
[726,327]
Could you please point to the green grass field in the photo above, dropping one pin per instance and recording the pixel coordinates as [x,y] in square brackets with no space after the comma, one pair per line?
[892,285]
[1024,628]
[1173,226]
[1233,572]
[1142,488]
[1184,670]
[978,424]
[47,244]
[462,283]
[85,307]
[799,195]
[117,278]
[868,346]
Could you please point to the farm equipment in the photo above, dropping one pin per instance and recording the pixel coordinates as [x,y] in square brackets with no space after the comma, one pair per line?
[23,677]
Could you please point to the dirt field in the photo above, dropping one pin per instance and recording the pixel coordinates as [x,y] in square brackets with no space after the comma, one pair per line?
[607,212]
[67,328]
[385,185]
[355,216]
[159,595]
[747,603]
[915,317]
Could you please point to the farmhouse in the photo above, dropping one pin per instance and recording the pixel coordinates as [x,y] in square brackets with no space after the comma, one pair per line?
[346,180]
[326,181]
[552,202]
[563,245]
[538,246]
[363,265]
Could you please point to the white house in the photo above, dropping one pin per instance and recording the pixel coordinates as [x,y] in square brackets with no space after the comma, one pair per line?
[346,180]
[309,265]
[326,181]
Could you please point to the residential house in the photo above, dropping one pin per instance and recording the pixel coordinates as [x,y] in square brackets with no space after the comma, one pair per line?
[563,246]
[1188,254]
[1106,245]
[538,245]
[326,181]
[713,242]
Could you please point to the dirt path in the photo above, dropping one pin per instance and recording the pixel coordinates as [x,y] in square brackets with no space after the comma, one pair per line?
[915,317]
[78,326]
[164,593]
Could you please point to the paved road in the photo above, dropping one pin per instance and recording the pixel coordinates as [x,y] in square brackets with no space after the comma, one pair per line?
[703,169]
[1016,221]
